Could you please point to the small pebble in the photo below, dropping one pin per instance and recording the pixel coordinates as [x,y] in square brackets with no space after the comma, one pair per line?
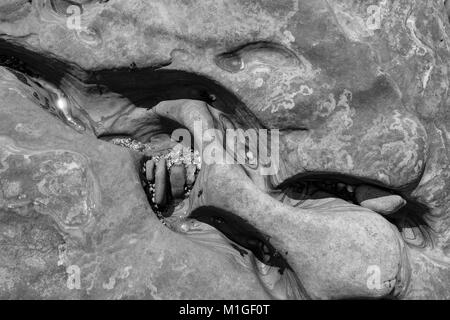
[340,186]
[161,182]
[150,170]
[378,200]
[177,180]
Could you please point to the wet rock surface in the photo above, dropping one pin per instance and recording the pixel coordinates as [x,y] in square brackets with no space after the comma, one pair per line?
[75,222]
[359,94]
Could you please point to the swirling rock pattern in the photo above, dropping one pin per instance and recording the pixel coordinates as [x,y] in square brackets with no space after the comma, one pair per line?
[358,91]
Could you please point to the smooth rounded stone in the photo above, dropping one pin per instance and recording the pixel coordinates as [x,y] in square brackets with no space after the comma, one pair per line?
[378,200]
[150,170]
[161,182]
[190,174]
[340,186]
[177,180]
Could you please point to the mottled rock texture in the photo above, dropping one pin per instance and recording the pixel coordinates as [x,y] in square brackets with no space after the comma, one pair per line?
[358,88]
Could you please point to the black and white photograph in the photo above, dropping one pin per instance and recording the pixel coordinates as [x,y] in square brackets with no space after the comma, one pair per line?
[224,155]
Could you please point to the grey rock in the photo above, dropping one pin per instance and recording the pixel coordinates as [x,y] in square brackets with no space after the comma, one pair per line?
[177,180]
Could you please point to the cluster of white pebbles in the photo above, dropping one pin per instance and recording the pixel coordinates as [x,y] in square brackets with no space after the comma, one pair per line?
[168,175]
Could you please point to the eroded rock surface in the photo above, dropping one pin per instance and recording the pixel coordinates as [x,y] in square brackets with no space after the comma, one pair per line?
[358,90]
[71,203]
